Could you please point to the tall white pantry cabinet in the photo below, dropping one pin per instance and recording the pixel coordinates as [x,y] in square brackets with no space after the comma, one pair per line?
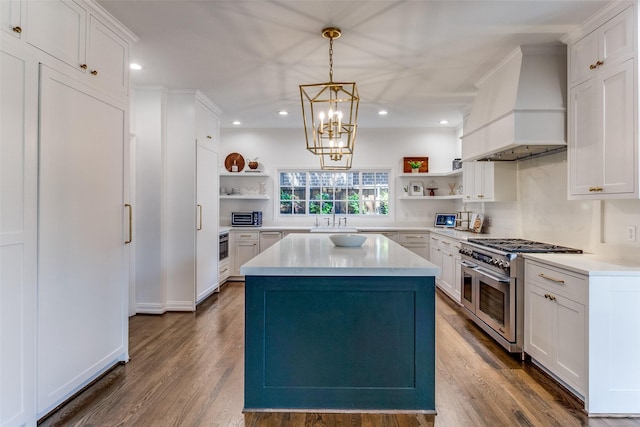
[177,135]
[64,261]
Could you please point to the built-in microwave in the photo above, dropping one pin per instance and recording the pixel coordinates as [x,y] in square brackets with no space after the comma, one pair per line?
[246,219]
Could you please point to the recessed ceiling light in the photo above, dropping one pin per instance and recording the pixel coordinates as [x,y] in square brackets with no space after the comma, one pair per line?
[283,113]
[382,113]
[236,123]
[444,122]
[134,66]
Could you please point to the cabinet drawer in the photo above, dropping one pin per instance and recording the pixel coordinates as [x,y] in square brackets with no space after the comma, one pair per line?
[557,280]
[413,237]
[246,235]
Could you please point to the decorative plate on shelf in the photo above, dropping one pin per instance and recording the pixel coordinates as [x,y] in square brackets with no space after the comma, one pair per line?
[234,159]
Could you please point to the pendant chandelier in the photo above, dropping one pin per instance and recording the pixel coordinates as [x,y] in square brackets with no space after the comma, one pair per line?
[330,114]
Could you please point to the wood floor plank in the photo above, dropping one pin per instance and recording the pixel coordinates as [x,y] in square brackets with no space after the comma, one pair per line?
[187,369]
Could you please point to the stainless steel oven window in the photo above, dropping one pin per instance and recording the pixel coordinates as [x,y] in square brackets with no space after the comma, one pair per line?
[224,246]
[492,302]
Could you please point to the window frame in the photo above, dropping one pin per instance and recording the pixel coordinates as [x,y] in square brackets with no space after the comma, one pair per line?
[360,191]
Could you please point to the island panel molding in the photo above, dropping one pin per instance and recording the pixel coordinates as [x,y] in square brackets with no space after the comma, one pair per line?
[340,343]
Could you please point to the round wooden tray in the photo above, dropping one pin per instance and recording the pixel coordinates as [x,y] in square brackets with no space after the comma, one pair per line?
[234,157]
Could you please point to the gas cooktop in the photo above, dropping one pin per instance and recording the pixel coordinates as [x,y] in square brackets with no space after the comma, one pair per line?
[522,245]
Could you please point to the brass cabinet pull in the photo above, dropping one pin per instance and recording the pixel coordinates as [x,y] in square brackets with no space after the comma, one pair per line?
[94,72]
[550,297]
[17,29]
[200,222]
[595,189]
[593,66]
[480,196]
[414,237]
[551,278]
[209,137]
[127,205]
[83,66]
[599,63]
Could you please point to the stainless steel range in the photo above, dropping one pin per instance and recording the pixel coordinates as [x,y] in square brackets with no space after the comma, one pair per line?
[493,285]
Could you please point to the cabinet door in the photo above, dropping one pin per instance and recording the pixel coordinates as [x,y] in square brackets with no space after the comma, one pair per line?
[485,181]
[570,350]
[538,325]
[206,126]
[585,152]
[448,273]
[468,180]
[82,259]
[619,155]
[11,17]
[207,237]
[435,256]
[58,27]
[268,238]
[583,56]
[243,252]
[18,239]
[616,39]
[107,58]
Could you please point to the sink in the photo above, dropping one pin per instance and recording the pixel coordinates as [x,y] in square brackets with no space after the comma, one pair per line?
[334,230]
[348,240]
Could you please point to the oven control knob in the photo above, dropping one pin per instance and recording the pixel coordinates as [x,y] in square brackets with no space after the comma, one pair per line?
[504,264]
[495,261]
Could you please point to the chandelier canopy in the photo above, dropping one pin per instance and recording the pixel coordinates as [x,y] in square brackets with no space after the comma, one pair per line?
[330,115]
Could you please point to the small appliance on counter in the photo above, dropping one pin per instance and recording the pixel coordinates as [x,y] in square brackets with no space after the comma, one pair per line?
[463,220]
[446,220]
[246,219]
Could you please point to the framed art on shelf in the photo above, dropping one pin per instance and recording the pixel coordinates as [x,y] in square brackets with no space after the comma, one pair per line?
[416,188]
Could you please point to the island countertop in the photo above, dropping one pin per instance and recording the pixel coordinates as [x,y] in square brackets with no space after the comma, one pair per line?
[316,255]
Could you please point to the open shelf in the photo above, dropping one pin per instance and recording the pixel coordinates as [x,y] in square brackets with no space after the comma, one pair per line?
[243,174]
[244,196]
[455,196]
[455,172]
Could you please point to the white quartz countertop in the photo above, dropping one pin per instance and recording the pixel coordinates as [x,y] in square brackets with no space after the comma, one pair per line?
[588,264]
[315,255]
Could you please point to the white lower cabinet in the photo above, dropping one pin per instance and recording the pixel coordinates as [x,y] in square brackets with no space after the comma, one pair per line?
[417,242]
[244,246]
[555,322]
[224,270]
[445,254]
[268,238]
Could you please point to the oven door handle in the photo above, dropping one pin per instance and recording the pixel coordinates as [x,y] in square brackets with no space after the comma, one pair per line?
[501,279]
[467,264]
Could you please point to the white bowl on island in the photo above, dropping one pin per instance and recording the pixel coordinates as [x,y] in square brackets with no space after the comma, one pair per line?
[347,240]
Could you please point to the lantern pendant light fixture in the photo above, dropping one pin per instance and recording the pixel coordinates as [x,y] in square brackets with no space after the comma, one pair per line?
[330,114]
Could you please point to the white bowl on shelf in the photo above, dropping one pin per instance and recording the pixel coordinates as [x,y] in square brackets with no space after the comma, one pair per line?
[347,240]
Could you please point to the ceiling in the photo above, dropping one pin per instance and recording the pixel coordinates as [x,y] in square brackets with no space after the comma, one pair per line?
[417,59]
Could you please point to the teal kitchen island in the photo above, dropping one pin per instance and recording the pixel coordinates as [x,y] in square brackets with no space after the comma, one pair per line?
[339,329]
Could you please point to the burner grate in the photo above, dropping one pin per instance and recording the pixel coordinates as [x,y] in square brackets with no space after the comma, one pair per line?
[523,246]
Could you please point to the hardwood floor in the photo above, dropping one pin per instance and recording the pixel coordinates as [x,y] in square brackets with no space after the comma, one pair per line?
[186,369]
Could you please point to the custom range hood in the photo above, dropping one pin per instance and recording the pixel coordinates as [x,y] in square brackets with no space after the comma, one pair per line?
[520,109]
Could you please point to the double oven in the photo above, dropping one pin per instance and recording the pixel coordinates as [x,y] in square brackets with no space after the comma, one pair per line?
[492,285]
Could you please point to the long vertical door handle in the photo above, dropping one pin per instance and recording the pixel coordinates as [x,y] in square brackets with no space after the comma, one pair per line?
[130,239]
[200,221]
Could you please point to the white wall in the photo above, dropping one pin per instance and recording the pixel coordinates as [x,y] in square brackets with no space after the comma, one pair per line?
[375,148]
[542,212]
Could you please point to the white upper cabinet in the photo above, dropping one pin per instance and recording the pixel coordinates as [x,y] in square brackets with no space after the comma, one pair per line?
[74,34]
[489,181]
[11,17]
[59,29]
[610,44]
[107,58]
[603,148]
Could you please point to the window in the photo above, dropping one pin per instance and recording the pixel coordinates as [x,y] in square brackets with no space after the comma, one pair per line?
[349,193]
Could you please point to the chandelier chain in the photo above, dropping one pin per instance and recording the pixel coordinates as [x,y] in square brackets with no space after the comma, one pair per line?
[331,59]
